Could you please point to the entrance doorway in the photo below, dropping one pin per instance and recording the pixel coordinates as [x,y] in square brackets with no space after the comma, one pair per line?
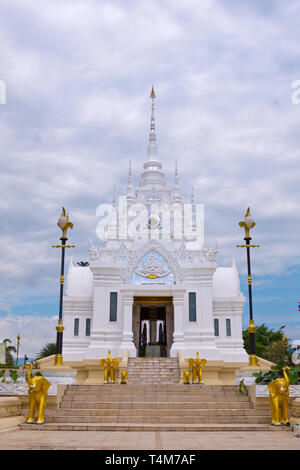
[153,326]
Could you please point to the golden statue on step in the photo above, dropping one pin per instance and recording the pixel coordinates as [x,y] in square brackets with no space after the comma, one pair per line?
[109,365]
[279,399]
[37,393]
[196,365]
[187,377]
[123,377]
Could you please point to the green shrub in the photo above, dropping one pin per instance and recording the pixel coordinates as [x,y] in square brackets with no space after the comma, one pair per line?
[276,372]
[14,375]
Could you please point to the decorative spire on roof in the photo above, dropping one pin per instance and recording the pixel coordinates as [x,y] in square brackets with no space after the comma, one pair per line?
[129,174]
[152,94]
[176,192]
[152,146]
[130,188]
[152,173]
[176,175]
[192,197]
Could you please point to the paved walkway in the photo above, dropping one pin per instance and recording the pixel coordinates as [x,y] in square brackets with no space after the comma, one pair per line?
[105,440]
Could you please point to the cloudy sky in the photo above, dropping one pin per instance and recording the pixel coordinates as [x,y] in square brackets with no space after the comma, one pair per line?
[78,74]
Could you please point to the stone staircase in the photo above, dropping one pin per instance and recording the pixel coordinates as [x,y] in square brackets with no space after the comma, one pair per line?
[152,370]
[141,407]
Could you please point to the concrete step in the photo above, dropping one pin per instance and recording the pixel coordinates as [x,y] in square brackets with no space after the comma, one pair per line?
[155,412]
[187,405]
[152,427]
[161,419]
[150,371]
[164,407]
[162,388]
[119,398]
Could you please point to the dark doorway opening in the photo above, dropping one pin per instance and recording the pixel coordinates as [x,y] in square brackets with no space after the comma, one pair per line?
[153,332]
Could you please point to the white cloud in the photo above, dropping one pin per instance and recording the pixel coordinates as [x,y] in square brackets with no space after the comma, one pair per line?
[35,332]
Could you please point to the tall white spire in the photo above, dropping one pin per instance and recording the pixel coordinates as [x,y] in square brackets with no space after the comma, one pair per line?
[152,146]
[176,175]
[130,188]
[176,192]
[129,174]
[152,173]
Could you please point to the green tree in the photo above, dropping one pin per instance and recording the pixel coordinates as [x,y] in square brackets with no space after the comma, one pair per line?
[9,360]
[265,340]
[48,350]
[278,352]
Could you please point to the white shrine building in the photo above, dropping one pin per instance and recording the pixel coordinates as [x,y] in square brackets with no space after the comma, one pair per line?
[151,287]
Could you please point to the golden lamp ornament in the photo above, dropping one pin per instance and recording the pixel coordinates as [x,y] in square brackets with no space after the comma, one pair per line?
[196,366]
[247,223]
[63,223]
[109,365]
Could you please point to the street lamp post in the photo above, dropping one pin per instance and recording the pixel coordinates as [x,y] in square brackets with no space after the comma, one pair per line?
[25,359]
[64,224]
[248,223]
[18,346]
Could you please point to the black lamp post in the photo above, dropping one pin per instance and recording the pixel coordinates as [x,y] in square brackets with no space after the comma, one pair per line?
[18,347]
[247,224]
[64,224]
[25,359]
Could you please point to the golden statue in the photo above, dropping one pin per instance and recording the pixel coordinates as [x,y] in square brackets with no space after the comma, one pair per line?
[186,377]
[109,365]
[123,377]
[196,365]
[279,399]
[37,392]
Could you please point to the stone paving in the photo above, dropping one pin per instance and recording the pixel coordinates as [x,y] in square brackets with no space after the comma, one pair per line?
[104,440]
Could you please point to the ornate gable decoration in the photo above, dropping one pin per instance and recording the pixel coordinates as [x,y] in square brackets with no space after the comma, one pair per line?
[165,266]
[152,268]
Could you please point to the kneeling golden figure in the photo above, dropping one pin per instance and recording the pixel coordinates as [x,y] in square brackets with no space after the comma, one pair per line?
[37,392]
[279,399]
[109,365]
[196,365]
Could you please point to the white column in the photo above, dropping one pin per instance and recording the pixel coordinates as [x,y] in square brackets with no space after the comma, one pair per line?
[208,347]
[178,335]
[127,335]
[97,345]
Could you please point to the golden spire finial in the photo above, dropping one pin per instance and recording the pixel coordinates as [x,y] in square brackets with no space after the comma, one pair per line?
[152,95]
[63,222]
[247,223]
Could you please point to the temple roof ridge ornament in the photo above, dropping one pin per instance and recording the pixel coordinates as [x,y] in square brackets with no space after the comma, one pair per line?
[183,255]
[94,252]
[211,254]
